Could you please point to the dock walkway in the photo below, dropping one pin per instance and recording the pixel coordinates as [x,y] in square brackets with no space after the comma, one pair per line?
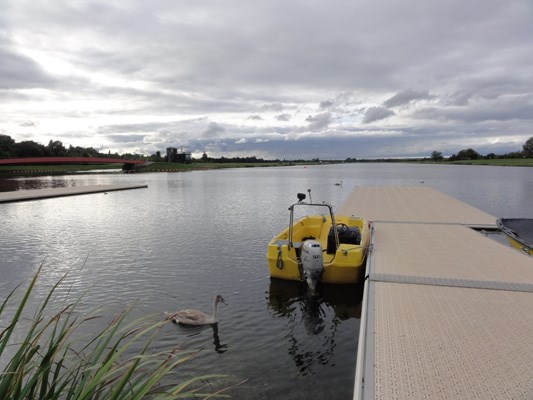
[37,194]
[447,312]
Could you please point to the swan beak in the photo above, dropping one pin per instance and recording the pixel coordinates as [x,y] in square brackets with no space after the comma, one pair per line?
[168,315]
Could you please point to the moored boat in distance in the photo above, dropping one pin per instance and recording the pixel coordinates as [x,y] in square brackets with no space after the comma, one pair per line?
[519,232]
[323,247]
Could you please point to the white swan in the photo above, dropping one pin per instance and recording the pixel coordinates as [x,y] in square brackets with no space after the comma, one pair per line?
[195,317]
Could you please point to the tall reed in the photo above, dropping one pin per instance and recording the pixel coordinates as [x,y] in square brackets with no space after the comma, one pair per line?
[54,361]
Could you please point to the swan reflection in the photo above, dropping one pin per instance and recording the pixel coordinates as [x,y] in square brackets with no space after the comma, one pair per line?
[219,347]
[196,332]
[313,318]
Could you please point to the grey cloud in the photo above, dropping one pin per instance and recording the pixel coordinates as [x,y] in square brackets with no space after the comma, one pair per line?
[405,97]
[319,121]
[213,130]
[28,124]
[458,98]
[122,128]
[18,71]
[193,124]
[326,104]
[255,118]
[499,109]
[125,138]
[332,147]
[373,114]
[208,50]
[283,117]
[272,107]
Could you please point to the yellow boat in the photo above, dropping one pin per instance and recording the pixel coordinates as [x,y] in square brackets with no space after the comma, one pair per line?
[519,232]
[326,248]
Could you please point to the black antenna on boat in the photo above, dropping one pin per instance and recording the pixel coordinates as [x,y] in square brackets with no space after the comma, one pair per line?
[310,199]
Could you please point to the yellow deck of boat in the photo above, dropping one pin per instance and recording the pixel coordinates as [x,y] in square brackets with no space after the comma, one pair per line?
[447,312]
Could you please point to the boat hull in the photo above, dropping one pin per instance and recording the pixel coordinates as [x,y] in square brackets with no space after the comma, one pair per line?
[519,232]
[343,266]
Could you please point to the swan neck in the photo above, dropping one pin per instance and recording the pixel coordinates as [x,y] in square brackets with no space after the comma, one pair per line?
[215,304]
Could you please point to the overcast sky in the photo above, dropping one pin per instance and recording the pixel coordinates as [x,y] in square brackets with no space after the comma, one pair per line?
[271,78]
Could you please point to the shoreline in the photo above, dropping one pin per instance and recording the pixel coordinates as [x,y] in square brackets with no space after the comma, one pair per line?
[44,170]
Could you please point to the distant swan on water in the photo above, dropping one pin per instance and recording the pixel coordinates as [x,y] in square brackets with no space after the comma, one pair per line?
[195,317]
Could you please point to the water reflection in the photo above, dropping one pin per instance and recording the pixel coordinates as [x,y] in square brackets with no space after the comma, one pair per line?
[146,245]
[59,181]
[219,347]
[196,331]
[313,318]
[7,185]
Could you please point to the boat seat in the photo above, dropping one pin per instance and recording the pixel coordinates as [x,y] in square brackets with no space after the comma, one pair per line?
[352,235]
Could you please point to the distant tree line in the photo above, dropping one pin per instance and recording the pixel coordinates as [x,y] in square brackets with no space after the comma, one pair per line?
[28,148]
[466,154]
[471,154]
[248,160]
[55,148]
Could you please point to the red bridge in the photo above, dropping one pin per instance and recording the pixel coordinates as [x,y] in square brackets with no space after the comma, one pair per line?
[128,164]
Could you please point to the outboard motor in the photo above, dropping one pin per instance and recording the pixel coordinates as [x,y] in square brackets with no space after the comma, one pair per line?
[312,262]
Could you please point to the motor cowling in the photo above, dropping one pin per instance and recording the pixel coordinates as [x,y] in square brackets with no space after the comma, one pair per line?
[312,262]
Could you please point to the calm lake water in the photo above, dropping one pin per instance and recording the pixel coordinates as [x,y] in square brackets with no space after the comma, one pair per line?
[190,236]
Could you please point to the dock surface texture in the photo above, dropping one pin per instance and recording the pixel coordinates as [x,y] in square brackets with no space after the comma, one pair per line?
[37,194]
[447,311]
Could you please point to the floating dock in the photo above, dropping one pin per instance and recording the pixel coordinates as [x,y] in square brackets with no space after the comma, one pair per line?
[38,194]
[447,312]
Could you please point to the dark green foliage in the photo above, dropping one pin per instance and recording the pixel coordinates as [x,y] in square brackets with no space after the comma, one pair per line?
[436,156]
[528,148]
[55,148]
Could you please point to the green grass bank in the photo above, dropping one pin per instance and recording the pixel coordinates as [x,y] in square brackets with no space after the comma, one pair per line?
[25,170]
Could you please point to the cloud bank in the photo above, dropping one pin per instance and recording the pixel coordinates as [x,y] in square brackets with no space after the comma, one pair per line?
[274,79]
